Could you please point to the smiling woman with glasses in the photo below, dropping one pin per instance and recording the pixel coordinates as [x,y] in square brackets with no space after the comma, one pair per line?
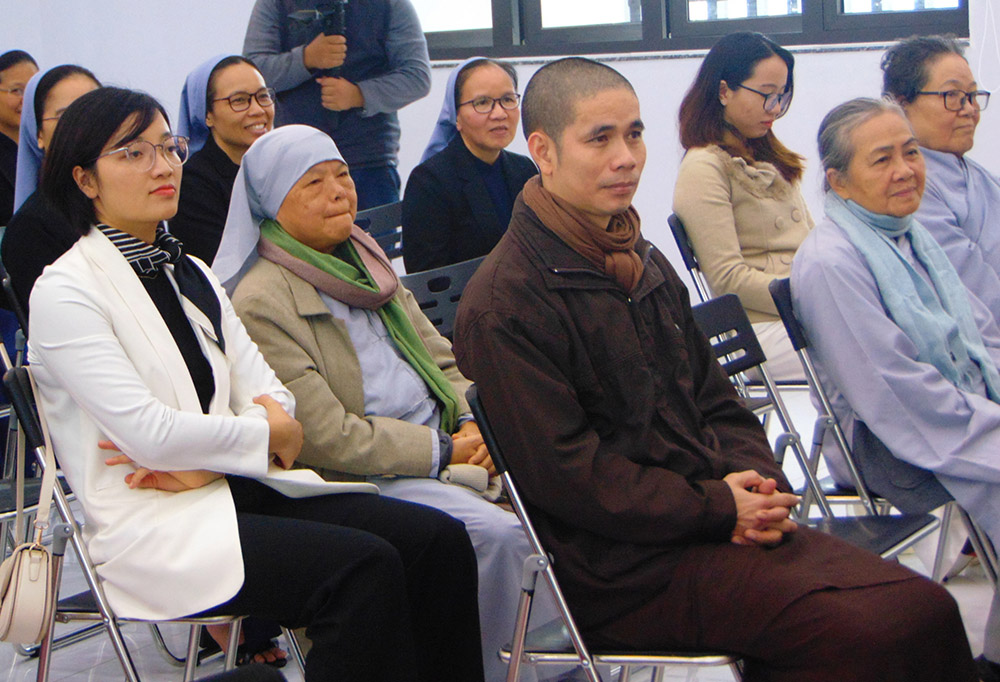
[459,199]
[737,189]
[931,79]
[225,107]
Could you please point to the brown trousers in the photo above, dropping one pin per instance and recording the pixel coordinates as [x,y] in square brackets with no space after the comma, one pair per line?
[786,611]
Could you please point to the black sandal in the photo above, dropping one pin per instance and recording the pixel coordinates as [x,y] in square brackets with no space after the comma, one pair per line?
[246,652]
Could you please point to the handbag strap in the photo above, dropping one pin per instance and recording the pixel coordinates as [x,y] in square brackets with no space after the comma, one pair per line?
[48,476]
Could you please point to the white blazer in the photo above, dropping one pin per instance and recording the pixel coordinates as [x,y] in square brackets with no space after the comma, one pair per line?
[107,367]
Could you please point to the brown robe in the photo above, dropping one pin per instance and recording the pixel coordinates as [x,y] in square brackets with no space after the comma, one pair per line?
[619,426]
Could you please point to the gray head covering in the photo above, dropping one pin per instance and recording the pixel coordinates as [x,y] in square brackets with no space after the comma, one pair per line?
[270,168]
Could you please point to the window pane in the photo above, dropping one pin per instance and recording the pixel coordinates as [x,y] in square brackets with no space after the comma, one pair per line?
[561,13]
[870,6]
[454,15]
[714,10]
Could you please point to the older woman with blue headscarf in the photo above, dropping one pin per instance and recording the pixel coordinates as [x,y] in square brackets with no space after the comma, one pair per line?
[39,233]
[459,199]
[906,352]
[225,107]
[376,387]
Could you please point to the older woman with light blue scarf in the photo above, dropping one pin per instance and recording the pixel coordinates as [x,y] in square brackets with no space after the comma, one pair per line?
[377,389]
[907,354]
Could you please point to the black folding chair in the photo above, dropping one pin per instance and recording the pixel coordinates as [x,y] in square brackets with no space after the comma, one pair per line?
[561,642]
[905,529]
[438,291]
[687,255]
[92,606]
[385,224]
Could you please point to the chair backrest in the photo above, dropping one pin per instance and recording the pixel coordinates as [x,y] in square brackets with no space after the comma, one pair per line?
[18,386]
[438,291]
[687,255]
[385,224]
[724,321]
[781,293]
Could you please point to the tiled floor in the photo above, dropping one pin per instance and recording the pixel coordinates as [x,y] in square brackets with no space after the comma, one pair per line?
[94,660]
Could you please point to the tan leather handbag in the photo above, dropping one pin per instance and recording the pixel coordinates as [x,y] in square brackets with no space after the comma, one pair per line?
[26,589]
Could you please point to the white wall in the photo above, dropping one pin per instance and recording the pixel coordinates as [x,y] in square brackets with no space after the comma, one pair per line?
[152,46]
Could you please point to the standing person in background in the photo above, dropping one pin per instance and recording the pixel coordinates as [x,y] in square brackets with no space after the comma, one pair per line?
[737,189]
[38,233]
[930,78]
[225,107]
[459,199]
[349,86]
[16,68]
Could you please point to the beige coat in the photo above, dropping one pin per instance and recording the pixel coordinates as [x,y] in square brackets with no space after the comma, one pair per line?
[312,354]
[745,223]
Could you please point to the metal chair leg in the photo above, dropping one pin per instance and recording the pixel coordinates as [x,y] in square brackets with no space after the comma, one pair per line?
[191,660]
[937,570]
[294,649]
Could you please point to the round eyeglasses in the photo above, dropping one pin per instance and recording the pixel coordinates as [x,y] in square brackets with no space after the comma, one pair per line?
[141,155]
[484,104]
[954,100]
[776,103]
[241,100]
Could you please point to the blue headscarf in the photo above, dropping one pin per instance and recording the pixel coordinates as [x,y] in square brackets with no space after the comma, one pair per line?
[445,129]
[194,104]
[269,170]
[29,154]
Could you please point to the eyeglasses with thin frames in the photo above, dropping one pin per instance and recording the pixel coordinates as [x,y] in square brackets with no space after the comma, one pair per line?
[17,92]
[774,100]
[241,100]
[954,100]
[484,104]
[141,155]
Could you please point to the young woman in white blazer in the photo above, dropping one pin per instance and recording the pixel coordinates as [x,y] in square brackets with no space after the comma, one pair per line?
[136,347]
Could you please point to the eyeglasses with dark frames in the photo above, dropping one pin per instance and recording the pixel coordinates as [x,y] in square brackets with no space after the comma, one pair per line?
[954,100]
[484,104]
[241,100]
[141,155]
[774,100]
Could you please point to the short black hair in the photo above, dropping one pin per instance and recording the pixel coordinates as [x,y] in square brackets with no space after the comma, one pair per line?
[15,57]
[217,69]
[904,65]
[549,103]
[51,79]
[87,126]
[469,68]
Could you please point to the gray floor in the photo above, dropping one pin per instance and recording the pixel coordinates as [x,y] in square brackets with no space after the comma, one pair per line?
[95,660]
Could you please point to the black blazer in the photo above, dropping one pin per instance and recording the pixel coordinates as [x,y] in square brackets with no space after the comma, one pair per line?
[8,169]
[206,188]
[37,235]
[448,216]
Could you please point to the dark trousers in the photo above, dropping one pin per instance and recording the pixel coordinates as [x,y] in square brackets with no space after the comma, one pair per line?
[376,186]
[386,589]
[793,625]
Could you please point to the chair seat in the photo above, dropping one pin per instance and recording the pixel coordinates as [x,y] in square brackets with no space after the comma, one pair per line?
[833,491]
[551,643]
[32,487]
[882,535]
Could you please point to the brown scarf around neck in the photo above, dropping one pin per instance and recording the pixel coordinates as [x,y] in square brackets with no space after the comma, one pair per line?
[612,249]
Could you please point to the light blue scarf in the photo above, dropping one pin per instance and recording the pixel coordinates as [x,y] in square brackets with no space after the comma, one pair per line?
[937,319]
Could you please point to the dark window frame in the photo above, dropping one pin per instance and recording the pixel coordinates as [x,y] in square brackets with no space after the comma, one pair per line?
[517,30]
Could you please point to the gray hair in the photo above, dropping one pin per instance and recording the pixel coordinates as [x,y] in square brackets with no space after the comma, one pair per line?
[835,147]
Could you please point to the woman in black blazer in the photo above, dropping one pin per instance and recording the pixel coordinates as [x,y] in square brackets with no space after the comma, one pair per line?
[458,200]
